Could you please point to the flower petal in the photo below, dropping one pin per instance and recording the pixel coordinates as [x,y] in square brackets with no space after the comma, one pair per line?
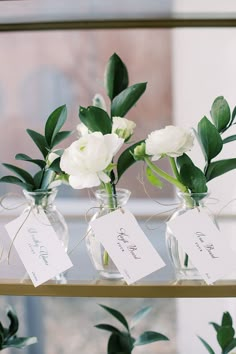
[84,181]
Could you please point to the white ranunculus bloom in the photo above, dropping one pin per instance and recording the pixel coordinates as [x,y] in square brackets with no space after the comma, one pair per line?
[171,141]
[86,159]
[82,129]
[123,127]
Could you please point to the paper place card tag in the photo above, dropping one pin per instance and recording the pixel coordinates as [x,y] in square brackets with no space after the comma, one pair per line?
[206,247]
[127,245]
[38,246]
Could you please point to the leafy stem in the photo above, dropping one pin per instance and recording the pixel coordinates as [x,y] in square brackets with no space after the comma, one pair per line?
[165,175]
[174,168]
[112,204]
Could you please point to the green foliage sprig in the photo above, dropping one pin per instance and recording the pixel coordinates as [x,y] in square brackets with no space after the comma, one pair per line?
[224,334]
[210,136]
[49,171]
[122,341]
[122,99]
[8,336]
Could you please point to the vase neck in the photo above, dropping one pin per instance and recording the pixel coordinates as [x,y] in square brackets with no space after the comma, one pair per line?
[114,200]
[45,199]
[193,200]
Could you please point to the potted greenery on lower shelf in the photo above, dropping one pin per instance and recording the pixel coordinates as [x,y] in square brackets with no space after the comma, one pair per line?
[122,341]
[8,336]
[224,334]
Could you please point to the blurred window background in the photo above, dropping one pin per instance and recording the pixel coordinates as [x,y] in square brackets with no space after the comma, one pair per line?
[185,70]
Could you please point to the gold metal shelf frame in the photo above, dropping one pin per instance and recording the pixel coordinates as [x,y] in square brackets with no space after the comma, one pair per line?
[118,289]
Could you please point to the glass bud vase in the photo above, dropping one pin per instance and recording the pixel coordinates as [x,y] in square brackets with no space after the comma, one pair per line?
[46,201]
[98,255]
[184,269]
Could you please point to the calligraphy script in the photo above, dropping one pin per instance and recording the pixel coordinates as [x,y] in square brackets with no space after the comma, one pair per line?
[124,243]
[36,247]
[201,244]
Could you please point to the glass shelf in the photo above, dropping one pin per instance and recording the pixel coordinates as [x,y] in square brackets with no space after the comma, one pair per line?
[28,15]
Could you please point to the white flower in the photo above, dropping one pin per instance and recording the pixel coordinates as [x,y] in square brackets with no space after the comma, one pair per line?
[123,127]
[171,141]
[82,129]
[86,159]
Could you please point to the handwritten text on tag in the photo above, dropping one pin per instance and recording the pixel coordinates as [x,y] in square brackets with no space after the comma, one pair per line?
[38,246]
[127,245]
[203,242]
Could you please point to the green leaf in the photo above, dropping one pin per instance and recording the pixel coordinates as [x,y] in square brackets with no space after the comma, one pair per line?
[54,123]
[55,165]
[48,177]
[107,327]
[24,175]
[233,116]
[116,76]
[1,340]
[153,179]
[227,319]
[210,139]
[230,347]
[95,119]
[215,325]
[20,342]
[183,160]
[220,113]
[118,315]
[207,346]
[126,159]
[225,336]
[39,140]
[122,103]
[120,343]
[229,139]
[2,329]
[14,323]
[60,137]
[38,179]
[17,181]
[191,176]
[149,337]
[23,157]
[138,316]
[220,167]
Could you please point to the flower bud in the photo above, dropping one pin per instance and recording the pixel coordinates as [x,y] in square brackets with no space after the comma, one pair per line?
[140,152]
[123,127]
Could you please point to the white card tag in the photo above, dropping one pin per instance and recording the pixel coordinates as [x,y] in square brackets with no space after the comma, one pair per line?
[203,242]
[127,245]
[38,246]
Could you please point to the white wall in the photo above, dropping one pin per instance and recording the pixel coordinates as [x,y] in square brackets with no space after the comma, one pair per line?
[204,67]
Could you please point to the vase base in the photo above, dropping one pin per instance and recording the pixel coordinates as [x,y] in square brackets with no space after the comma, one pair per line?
[188,275]
[110,275]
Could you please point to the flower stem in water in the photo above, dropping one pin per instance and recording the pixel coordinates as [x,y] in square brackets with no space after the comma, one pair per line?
[112,207]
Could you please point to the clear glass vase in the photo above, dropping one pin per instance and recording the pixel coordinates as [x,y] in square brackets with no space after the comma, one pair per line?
[184,269]
[98,255]
[46,201]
